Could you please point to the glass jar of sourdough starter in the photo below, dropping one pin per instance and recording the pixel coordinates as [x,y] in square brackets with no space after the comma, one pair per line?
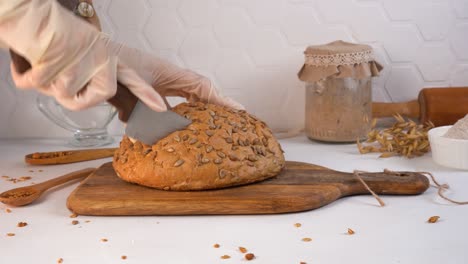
[338,87]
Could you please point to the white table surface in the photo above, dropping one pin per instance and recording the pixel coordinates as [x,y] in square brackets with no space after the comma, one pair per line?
[396,233]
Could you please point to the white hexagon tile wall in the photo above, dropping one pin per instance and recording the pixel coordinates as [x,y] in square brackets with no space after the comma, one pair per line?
[252,49]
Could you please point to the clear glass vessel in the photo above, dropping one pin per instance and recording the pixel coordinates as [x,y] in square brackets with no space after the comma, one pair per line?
[89,126]
[338,109]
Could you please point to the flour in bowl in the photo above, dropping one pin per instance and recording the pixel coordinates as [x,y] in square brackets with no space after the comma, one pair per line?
[459,130]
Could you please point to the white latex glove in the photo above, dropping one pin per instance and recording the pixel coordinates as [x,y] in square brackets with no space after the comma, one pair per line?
[169,79]
[70,59]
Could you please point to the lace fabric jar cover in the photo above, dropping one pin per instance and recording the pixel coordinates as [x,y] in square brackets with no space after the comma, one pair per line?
[338,85]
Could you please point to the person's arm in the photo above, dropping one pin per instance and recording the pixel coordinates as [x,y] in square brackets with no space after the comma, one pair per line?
[70,58]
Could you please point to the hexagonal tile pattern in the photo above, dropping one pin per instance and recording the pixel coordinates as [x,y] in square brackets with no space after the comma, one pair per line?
[461,8]
[164,29]
[301,28]
[234,69]
[395,10]
[404,83]
[459,75]
[435,61]
[268,48]
[233,28]
[402,42]
[127,15]
[266,12]
[459,40]
[164,3]
[254,48]
[198,13]
[199,49]
[434,20]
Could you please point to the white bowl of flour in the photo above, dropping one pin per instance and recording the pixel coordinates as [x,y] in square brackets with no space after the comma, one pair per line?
[449,144]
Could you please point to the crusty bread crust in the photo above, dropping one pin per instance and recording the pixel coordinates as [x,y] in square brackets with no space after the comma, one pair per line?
[222,147]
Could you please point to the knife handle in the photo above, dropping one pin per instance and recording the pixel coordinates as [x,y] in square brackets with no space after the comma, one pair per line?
[123,99]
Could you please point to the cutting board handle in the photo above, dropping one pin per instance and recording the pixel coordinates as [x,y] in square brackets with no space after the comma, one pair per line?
[386,182]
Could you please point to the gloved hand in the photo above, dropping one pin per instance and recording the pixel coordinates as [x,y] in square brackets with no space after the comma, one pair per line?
[169,79]
[70,59]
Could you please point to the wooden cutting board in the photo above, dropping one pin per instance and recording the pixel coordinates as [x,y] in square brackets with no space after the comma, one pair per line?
[299,187]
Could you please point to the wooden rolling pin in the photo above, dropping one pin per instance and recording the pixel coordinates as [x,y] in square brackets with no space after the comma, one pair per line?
[441,106]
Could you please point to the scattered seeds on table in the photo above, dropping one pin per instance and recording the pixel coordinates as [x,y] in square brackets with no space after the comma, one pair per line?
[216,245]
[225,257]
[22,224]
[104,240]
[243,249]
[60,260]
[350,231]
[433,219]
[73,215]
[123,257]
[75,222]
[10,234]
[7,210]
[298,225]
[249,256]
[307,239]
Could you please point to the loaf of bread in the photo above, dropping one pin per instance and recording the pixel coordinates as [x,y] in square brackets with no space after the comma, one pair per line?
[222,147]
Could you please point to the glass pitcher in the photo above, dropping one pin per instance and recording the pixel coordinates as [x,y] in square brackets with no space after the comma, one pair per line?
[89,126]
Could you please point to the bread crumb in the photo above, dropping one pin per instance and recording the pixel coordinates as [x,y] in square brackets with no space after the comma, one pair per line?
[104,240]
[60,260]
[10,234]
[123,257]
[243,249]
[350,231]
[307,239]
[433,219]
[298,225]
[73,215]
[216,245]
[225,257]
[249,256]
[22,224]
[75,222]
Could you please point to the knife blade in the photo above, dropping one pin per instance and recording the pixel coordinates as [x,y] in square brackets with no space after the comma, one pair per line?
[149,126]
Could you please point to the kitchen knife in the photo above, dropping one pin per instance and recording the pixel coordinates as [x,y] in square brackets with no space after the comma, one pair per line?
[143,123]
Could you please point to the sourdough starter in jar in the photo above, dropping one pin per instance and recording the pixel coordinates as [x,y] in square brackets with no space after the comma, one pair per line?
[337,78]
[338,109]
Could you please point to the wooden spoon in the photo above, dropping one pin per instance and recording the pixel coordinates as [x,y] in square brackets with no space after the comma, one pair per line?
[69,156]
[28,194]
